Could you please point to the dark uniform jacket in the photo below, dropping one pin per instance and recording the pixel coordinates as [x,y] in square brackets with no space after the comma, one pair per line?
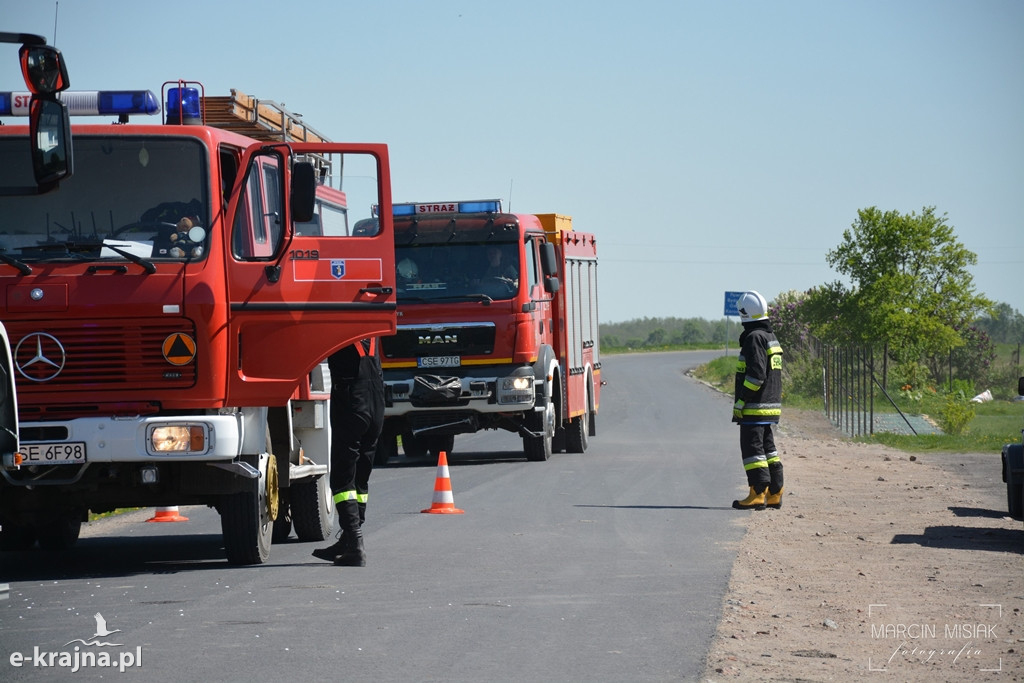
[759,374]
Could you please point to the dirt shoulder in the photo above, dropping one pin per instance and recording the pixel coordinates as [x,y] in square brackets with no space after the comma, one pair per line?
[879,565]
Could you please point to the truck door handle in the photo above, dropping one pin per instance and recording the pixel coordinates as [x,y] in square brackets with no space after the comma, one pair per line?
[376,290]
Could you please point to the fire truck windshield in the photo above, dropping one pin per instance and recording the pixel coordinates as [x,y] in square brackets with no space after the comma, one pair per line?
[131,198]
[482,271]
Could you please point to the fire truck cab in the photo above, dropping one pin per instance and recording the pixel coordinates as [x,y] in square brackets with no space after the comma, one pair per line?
[497,329]
[171,308]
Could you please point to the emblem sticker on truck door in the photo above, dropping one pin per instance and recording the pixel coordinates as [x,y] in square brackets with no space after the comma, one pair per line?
[333,269]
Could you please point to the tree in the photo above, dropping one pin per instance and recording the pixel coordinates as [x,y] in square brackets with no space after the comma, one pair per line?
[1005,325]
[910,285]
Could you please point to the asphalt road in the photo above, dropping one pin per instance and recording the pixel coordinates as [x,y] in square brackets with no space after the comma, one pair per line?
[603,566]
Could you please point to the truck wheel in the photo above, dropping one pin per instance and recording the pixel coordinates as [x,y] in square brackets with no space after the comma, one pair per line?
[413,446]
[313,510]
[283,523]
[61,533]
[577,433]
[246,517]
[1015,497]
[538,448]
[16,537]
[387,448]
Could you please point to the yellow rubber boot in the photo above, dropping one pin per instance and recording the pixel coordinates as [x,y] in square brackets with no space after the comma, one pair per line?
[753,501]
[774,500]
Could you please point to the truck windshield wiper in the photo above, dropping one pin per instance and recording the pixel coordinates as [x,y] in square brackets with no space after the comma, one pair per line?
[71,246]
[146,264]
[22,267]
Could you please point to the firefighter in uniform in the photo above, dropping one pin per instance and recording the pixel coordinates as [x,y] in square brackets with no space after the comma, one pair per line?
[357,414]
[758,404]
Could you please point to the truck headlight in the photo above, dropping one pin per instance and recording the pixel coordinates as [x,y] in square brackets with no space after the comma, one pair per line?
[517,387]
[167,439]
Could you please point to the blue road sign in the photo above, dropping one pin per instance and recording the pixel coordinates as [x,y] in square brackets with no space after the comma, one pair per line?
[731,299]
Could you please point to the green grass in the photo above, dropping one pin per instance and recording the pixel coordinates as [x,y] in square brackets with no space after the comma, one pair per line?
[995,423]
[93,516]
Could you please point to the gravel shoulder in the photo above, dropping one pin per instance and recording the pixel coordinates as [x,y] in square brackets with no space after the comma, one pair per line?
[880,564]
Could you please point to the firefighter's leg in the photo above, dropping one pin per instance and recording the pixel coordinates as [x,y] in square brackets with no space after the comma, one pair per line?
[755,464]
[346,425]
[774,497]
[361,443]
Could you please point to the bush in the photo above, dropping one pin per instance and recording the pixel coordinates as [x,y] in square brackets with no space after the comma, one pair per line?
[802,376]
[956,415]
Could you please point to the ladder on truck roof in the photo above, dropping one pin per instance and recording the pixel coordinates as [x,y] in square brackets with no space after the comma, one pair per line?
[263,120]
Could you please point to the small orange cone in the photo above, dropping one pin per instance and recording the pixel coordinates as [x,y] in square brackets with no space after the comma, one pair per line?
[167,515]
[444,501]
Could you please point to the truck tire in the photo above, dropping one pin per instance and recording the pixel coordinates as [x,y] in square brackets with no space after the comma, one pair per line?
[538,448]
[14,538]
[60,533]
[1015,497]
[413,446]
[1011,460]
[577,434]
[313,511]
[283,523]
[245,517]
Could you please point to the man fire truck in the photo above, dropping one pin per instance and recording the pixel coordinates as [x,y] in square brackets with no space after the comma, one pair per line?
[497,329]
[170,309]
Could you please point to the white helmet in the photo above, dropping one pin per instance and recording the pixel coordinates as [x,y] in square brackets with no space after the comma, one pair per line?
[752,306]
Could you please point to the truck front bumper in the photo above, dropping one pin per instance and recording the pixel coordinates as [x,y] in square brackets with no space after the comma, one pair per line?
[188,438]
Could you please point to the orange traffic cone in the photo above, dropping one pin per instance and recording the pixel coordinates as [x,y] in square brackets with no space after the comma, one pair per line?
[444,502]
[167,515]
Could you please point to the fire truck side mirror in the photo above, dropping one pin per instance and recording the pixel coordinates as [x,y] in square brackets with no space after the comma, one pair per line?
[44,69]
[303,192]
[549,265]
[50,133]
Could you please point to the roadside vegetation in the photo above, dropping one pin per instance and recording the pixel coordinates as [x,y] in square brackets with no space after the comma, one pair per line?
[908,298]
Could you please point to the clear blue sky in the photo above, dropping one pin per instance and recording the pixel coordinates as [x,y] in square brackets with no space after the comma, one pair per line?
[710,146]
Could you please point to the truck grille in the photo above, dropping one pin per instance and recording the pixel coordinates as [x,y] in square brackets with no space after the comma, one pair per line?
[468,339]
[126,354]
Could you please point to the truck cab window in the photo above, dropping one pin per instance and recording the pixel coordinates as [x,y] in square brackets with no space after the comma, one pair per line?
[137,195]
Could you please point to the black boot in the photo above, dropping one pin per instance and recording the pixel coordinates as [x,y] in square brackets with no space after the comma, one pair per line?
[332,551]
[352,553]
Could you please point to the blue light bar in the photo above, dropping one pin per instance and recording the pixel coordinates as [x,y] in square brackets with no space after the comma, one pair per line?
[489,206]
[87,102]
[110,102]
[419,209]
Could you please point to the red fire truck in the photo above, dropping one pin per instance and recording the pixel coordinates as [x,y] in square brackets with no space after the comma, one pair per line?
[170,309]
[498,329]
